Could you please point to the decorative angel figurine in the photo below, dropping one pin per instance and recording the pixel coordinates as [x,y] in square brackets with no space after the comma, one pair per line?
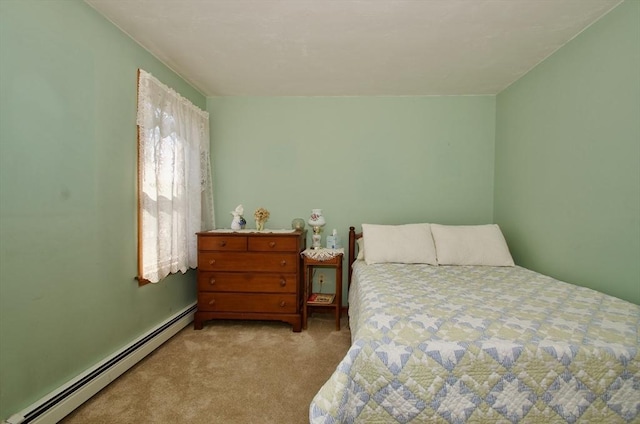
[238,221]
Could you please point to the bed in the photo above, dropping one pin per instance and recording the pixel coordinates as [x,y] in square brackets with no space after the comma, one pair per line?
[464,335]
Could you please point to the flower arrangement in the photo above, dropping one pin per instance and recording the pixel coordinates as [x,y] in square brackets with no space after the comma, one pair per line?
[261,215]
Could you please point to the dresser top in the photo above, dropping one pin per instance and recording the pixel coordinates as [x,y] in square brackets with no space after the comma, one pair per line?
[253,232]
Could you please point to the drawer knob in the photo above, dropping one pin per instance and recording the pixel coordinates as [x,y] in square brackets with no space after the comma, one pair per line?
[223,243]
[272,244]
[212,301]
[283,282]
[283,303]
[283,262]
[212,281]
[212,261]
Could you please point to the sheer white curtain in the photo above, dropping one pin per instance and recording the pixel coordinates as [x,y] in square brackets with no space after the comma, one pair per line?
[174,173]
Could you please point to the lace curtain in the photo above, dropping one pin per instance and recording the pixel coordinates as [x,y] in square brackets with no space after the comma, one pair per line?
[175,186]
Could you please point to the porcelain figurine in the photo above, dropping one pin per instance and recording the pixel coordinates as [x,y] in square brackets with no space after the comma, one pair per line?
[238,221]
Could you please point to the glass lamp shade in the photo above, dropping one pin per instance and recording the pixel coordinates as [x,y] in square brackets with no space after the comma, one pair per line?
[316,219]
[297,224]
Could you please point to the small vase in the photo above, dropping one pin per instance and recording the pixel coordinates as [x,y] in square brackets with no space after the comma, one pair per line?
[260,225]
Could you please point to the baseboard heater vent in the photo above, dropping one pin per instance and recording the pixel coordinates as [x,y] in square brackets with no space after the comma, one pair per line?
[59,403]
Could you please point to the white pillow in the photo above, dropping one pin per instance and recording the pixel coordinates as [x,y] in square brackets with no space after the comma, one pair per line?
[471,245]
[360,242]
[408,244]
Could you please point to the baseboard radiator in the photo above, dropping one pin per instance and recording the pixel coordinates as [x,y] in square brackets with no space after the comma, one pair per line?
[59,403]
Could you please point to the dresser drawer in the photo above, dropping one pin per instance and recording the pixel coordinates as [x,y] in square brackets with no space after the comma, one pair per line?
[236,261]
[222,243]
[247,302]
[273,244]
[245,282]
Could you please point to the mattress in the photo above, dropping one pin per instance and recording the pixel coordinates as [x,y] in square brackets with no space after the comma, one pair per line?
[455,344]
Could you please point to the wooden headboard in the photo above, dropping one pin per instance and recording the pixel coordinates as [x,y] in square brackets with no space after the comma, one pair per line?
[353,236]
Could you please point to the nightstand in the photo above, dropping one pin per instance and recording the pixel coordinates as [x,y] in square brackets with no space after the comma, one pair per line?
[309,264]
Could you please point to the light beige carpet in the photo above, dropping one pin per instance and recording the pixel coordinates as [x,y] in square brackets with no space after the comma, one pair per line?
[229,372]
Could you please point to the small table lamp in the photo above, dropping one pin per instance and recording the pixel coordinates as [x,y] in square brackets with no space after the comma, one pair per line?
[316,220]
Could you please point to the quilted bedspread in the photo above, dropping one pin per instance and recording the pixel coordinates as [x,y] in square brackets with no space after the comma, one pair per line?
[458,344]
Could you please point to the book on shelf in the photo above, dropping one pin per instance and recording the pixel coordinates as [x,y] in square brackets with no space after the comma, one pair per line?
[321,298]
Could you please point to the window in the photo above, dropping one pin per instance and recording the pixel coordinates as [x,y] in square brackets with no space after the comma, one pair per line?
[175,198]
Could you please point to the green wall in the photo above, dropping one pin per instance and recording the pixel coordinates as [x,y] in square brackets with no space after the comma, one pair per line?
[567,184]
[360,159]
[68,297]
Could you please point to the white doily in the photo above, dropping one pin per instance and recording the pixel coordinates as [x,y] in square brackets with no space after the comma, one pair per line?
[322,254]
[250,230]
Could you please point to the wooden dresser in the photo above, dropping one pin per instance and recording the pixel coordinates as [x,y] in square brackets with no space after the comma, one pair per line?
[246,275]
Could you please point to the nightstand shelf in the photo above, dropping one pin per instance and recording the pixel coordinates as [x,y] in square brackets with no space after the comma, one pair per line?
[308,266]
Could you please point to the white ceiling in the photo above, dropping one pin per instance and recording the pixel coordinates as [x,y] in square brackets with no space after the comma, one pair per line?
[351,47]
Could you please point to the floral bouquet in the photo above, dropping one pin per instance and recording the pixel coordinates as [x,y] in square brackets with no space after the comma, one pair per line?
[261,215]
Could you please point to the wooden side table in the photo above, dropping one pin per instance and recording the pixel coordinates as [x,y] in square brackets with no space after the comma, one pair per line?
[308,265]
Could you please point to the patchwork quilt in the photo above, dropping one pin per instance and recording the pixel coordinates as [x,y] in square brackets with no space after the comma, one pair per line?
[455,344]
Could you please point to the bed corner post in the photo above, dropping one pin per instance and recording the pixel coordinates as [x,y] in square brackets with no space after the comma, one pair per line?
[352,253]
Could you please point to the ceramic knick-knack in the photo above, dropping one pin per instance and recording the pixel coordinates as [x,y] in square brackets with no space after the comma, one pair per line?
[238,221]
[317,221]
